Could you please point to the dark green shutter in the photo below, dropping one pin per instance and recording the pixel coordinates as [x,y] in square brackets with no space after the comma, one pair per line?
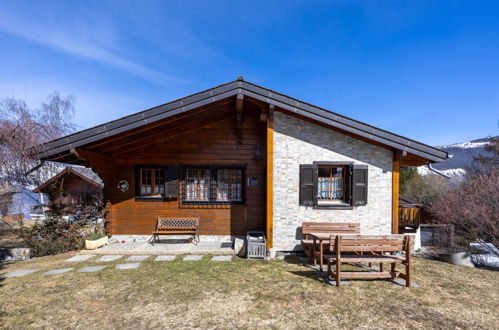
[359,185]
[137,181]
[171,182]
[307,185]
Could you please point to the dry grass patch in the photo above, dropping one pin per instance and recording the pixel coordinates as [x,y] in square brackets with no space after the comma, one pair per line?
[243,294]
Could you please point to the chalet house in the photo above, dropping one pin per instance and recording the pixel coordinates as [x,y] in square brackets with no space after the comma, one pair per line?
[73,186]
[243,157]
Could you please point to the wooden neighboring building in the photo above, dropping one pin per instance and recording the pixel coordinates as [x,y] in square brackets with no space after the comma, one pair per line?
[74,186]
[243,157]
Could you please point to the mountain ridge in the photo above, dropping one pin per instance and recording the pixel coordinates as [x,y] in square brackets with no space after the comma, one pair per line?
[461,157]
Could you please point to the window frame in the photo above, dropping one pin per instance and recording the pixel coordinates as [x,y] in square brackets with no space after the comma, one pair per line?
[213,186]
[347,193]
[138,183]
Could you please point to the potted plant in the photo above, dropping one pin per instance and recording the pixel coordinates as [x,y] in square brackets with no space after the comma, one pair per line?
[95,240]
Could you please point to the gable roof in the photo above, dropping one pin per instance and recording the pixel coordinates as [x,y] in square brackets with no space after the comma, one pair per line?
[82,172]
[334,120]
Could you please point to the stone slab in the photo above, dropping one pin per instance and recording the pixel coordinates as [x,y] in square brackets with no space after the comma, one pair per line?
[136,258]
[57,271]
[21,272]
[401,282]
[193,257]
[221,258]
[333,283]
[80,257]
[130,265]
[165,258]
[110,257]
[91,269]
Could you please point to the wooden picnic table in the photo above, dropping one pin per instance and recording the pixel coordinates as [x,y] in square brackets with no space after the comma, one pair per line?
[321,238]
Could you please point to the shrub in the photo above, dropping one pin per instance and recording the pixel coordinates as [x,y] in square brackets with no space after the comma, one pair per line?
[52,236]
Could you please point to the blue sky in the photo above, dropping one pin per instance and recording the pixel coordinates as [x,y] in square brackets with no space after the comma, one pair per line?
[428,70]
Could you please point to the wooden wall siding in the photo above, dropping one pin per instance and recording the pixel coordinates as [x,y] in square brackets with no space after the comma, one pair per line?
[214,143]
[71,184]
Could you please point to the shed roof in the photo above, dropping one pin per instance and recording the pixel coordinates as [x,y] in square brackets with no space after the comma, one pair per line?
[334,120]
[82,172]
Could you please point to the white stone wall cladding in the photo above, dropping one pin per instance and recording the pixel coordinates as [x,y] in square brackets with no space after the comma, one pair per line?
[299,142]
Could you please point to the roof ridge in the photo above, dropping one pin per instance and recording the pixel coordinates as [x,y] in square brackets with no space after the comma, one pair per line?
[252,90]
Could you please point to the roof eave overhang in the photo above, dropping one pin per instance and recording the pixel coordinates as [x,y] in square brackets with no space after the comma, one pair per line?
[62,147]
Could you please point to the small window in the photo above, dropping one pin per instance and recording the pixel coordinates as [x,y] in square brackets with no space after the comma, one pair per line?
[331,184]
[152,182]
[229,185]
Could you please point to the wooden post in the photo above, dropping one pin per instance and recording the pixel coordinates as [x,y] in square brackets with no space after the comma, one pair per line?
[395,192]
[338,260]
[270,171]
[408,265]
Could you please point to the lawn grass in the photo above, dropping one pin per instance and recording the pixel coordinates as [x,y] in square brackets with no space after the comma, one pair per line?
[243,294]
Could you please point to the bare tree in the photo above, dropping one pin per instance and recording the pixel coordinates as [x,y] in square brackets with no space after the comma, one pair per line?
[22,128]
[485,163]
[473,209]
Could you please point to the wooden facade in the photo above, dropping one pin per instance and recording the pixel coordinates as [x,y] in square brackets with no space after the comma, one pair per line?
[207,137]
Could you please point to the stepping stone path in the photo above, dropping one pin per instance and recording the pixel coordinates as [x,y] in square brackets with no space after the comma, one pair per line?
[131,265]
[80,257]
[110,257]
[221,258]
[21,272]
[165,258]
[91,269]
[57,271]
[137,258]
[193,257]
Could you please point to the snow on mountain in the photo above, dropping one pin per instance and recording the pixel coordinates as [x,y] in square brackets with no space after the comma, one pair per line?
[453,172]
[461,157]
[465,145]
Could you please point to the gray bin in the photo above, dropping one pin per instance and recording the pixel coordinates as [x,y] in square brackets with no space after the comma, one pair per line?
[257,245]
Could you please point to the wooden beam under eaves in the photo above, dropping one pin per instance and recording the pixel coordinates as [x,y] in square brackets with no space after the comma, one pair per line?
[239,118]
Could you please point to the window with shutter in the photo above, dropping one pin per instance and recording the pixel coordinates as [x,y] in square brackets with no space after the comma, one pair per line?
[150,182]
[333,185]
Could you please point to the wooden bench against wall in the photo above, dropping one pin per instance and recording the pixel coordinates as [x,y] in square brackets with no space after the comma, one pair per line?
[369,249]
[176,226]
[333,228]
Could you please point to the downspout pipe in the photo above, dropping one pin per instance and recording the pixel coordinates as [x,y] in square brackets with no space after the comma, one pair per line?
[437,171]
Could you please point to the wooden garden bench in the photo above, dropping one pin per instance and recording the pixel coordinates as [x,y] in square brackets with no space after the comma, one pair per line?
[369,249]
[176,226]
[326,228]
